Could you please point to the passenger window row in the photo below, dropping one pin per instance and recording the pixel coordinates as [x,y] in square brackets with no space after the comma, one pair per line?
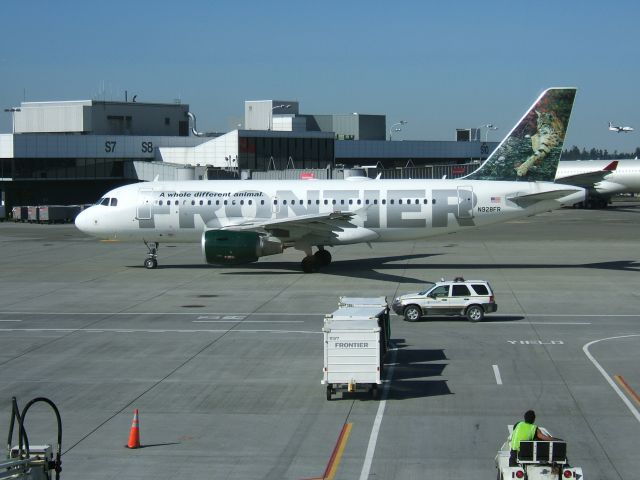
[295,202]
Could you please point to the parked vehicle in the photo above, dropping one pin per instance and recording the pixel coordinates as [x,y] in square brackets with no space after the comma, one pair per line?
[460,297]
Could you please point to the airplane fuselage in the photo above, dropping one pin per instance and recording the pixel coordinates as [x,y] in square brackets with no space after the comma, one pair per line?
[384,210]
[624,179]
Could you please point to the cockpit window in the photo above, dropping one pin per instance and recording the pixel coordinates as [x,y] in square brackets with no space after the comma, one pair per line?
[99,202]
[105,201]
[114,202]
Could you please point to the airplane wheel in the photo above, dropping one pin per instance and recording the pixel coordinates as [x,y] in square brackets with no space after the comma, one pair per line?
[328,392]
[323,257]
[309,264]
[151,263]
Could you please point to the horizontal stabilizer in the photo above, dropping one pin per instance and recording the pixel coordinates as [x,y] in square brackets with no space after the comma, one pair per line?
[588,179]
[527,200]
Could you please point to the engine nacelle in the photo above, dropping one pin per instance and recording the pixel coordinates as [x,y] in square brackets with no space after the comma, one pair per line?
[223,247]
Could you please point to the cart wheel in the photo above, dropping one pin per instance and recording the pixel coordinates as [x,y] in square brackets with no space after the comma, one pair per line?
[374,391]
[328,392]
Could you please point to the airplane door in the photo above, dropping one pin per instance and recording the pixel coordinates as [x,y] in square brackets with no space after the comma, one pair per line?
[465,202]
[144,204]
[275,206]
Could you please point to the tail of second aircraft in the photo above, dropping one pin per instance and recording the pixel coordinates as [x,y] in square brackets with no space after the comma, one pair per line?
[531,151]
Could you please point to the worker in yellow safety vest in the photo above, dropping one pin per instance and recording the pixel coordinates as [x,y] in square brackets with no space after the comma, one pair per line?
[525,431]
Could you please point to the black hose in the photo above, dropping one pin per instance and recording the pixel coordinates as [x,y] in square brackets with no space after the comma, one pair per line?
[57,465]
[15,414]
[22,434]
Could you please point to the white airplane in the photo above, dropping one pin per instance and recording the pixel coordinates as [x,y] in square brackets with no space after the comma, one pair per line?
[600,178]
[615,128]
[238,221]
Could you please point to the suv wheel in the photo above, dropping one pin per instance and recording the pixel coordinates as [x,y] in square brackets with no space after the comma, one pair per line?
[475,313]
[412,313]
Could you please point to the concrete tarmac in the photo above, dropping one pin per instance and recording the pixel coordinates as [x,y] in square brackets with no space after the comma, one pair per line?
[224,364]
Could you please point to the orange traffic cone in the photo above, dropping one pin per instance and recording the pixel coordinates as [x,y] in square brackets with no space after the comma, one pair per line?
[134,434]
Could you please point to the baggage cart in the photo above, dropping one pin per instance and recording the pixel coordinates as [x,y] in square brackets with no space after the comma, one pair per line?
[19,214]
[32,214]
[351,356]
[57,213]
[377,312]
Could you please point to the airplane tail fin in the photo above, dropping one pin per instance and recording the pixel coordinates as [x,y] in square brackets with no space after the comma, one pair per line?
[531,151]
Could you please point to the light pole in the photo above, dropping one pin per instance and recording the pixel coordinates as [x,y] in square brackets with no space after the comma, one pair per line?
[391,130]
[284,107]
[484,148]
[486,133]
[488,126]
[13,111]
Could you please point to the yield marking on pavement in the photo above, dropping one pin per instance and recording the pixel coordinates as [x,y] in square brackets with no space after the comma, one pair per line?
[496,372]
[603,372]
[622,382]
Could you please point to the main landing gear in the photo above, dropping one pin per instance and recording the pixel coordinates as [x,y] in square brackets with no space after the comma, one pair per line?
[152,257]
[312,263]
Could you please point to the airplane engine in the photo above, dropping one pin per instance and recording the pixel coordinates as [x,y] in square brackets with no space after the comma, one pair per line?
[223,247]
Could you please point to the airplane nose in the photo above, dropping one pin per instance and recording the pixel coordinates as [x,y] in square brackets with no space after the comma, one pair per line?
[83,221]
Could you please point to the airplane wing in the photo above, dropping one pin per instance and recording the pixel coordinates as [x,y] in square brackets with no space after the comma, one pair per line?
[588,179]
[527,200]
[320,224]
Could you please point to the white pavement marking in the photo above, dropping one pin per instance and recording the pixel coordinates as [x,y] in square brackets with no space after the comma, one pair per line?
[201,313]
[312,314]
[608,315]
[496,372]
[536,323]
[375,430]
[624,398]
[247,321]
[120,330]
[10,320]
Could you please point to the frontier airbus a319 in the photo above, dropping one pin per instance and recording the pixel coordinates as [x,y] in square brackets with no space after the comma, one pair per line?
[238,221]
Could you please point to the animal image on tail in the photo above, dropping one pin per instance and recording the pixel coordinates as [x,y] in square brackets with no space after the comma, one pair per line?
[531,151]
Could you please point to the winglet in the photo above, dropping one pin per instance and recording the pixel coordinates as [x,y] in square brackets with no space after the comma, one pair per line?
[611,167]
[531,151]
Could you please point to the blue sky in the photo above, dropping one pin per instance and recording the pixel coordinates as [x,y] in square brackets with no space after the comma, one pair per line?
[438,65]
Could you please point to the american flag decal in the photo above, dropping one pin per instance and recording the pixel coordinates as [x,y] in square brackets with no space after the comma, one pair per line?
[496,199]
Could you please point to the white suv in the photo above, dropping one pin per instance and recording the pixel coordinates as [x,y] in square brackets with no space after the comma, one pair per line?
[470,298]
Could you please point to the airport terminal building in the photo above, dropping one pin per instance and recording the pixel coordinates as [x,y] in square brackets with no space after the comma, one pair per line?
[71,152]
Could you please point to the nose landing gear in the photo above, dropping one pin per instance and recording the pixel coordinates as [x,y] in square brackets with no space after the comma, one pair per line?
[152,257]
